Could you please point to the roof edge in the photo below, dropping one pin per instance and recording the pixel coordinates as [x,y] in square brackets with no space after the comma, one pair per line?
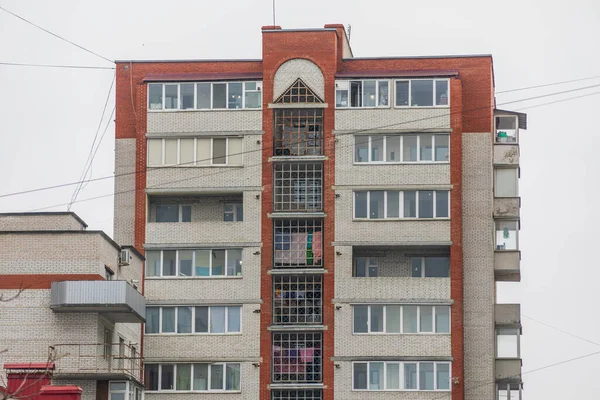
[420,57]
[39,213]
[191,60]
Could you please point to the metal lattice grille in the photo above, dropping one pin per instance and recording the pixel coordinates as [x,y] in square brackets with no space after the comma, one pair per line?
[298,243]
[297,357]
[298,187]
[304,394]
[298,92]
[297,299]
[298,132]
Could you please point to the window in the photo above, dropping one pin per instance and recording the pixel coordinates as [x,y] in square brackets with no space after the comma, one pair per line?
[234,212]
[217,377]
[430,267]
[423,93]
[506,182]
[173,213]
[363,93]
[401,376]
[380,204]
[365,267]
[507,343]
[189,152]
[298,243]
[506,129]
[297,299]
[298,132]
[204,96]
[507,235]
[297,357]
[406,148]
[117,390]
[509,391]
[299,394]
[194,263]
[397,319]
[189,320]
[298,187]
[109,274]
[107,350]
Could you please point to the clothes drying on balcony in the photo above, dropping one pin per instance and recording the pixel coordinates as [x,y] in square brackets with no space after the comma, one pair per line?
[298,248]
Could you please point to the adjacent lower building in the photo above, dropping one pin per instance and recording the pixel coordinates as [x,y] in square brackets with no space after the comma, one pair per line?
[71,308]
[321,226]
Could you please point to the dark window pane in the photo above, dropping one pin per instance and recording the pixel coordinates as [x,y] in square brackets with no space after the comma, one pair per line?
[425,204]
[360,267]
[360,204]
[410,151]
[151,376]
[203,92]
[360,375]
[200,377]
[201,320]
[185,262]
[376,204]
[219,151]
[186,213]
[168,320]
[422,93]
[410,204]
[393,204]
[416,267]
[442,147]
[437,267]
[376,318]
[166,377]
[184,320]
[361,148]
[171,96]
[356,94]
[425,147]
[441,204]
[426,376]
[402,93]
[235,95]
[155,96]
[218,262]
[219,95]
[361,318]
[167,213]
[441,93]
[152,319]
[187,95]
[216,377]
[169,266]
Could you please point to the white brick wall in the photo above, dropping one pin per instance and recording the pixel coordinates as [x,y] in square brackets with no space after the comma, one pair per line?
[204,121]
[478,258]
[125,177]
[396,120]
[40,222]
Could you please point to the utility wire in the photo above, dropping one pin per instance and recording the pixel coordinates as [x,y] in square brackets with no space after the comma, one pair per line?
[561,330]
[90,159]
[338,134]
[548,84]
[55,35]
[54,65]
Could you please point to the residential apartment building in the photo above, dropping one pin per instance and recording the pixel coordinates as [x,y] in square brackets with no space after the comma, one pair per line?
[321,226]
[71,308]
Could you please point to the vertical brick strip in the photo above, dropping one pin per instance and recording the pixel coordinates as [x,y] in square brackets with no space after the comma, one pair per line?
[456,251]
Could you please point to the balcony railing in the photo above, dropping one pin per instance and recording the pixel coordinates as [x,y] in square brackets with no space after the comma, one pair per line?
[298,300]
[118,301]
[297,357]
[298,187]
[96,361]
[298,243]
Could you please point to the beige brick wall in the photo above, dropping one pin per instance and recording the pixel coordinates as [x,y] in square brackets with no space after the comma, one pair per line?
[207,224]
[291,70]
[204,347]
[400,232]
[61,253]
[478,258]
[40,222]
[390,118]
[349,174]
[124,223]
[204,121]
[212,177]
[234,288]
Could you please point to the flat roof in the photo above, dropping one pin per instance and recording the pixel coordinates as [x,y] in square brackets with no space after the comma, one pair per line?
[182,60]
[42,213]
[64,232]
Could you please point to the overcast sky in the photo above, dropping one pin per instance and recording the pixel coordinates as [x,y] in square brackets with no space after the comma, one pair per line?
[48,119]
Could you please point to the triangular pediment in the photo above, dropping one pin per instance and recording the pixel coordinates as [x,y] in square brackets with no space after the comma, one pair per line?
[298,92]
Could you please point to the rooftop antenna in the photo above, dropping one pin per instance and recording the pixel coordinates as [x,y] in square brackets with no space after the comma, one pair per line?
[349,31]
[273,12]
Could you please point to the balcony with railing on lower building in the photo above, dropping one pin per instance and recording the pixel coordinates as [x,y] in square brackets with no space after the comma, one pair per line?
[97,361]
[506,136]
[215,217]
[117,301]
[508,348]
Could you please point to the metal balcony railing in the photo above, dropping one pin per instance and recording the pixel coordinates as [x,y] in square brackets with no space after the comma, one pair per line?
[98,360]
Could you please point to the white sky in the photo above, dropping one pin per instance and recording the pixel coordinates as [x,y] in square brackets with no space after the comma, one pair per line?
[48,119]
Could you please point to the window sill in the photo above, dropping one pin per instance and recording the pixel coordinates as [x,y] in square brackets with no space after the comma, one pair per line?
[192,334]
[364,108]
[152,167]
[403,334]
[398,219]
[203,110]
[403,163]
[190,391]
[166,278]
[403,390]
[444,107]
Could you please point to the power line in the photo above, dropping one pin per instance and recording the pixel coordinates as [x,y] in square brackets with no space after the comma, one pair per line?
[54,66]
[339,134]
[561,330]
[92,153]
[548,84]
[558,101]
[55,35]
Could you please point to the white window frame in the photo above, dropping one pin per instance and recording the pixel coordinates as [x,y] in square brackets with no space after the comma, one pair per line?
[174,390]
[401,154]
[401,378]
[195,107]
[422,258]
[518,227]
[516,182]
[510,388]
[518,337]
[193,319]
[410,81]
[234,213]
[401,206]
[385,332]
[368,263]
[178,272]
[194,163]
[362,85]
[179,211]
